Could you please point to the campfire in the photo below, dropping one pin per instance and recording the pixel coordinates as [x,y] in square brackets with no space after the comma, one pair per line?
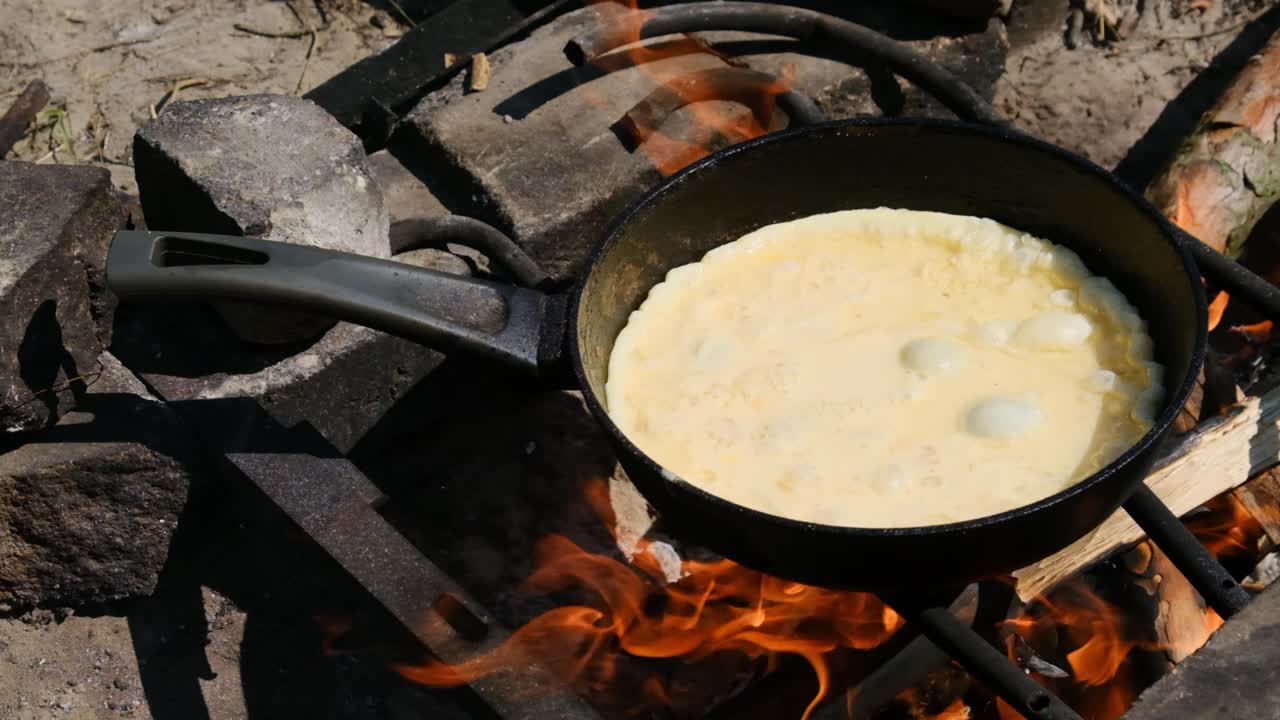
[489,518]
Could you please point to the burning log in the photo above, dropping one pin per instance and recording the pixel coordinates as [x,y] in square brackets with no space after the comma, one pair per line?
[1216,457]
[760,92]
[1183,624]
[1228,172]
[1220,184]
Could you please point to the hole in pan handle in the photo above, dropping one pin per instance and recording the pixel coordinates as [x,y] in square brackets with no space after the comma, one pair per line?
[518,327]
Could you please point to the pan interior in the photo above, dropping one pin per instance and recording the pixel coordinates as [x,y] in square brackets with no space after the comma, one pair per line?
[919,166]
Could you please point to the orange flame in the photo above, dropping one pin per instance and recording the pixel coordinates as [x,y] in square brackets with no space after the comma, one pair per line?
[1227,528]
[1081,619]
[1217,308]
[713,124]
[718,606]
[1257,333]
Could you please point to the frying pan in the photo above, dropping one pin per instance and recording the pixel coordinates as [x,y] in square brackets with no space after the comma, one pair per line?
[566,338]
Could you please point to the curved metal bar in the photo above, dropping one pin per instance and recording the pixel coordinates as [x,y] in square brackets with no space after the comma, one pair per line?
[1233,277]
[756,90]
[419,233]
[798,23]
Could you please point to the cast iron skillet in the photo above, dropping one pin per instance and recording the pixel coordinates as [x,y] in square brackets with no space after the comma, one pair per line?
[921,165]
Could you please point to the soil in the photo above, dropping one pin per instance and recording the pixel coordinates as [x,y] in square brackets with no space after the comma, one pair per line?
[232,631]
[110,64]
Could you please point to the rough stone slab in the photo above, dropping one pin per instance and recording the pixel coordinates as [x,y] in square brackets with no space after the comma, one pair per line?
[55,226]
[267,166]
[403,194]
[1235,675]
[342,385]
[534,153]
[88,508]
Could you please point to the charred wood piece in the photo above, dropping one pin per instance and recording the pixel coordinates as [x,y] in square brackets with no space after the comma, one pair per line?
[13,125]
[761,92]
[798,23]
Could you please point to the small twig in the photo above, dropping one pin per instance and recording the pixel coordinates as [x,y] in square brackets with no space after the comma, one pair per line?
[324,15]
[291,34]
[306,61]
[399,10]
[311,44]
[177,87]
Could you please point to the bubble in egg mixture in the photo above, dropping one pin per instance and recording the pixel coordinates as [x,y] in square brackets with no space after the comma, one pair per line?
[1003,417]
[929,356]
[1053,330]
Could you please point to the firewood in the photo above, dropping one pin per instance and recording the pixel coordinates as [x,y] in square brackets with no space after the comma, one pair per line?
[1261,497]
[1182,622]
[1227,173]
[1216,457]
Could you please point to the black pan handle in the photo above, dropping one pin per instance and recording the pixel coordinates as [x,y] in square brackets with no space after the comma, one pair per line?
[515,326]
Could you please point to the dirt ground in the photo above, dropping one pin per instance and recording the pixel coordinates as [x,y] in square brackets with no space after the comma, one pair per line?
[110,64]
[228,635]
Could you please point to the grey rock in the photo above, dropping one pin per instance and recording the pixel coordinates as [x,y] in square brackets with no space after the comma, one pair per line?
[433,259]
[55,226]
[404,195]
[535,155]
[553,176]
[342,384]
[266,166]
[1235,675]
[88,508]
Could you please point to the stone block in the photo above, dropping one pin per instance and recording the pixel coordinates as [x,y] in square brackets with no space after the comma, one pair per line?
[267,166]
[535,154]
[88,507]
[55,226]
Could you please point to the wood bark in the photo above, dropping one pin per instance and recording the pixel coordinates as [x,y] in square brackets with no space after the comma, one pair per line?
[1261,498]
[1226,175]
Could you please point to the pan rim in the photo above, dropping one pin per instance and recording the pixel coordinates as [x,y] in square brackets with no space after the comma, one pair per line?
[1154,435]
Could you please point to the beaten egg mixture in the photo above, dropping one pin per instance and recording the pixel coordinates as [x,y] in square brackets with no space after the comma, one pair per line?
[884,368]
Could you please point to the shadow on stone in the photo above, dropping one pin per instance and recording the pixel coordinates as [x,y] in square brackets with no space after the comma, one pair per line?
[43,356]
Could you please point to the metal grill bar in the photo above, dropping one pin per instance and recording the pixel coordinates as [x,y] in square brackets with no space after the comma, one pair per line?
[990,666]
[1201,568]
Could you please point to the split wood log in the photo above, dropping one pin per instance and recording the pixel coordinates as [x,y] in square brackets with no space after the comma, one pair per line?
[1261,498]
[13,125]
[1223,179]
[1182,623]
[1216,457]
